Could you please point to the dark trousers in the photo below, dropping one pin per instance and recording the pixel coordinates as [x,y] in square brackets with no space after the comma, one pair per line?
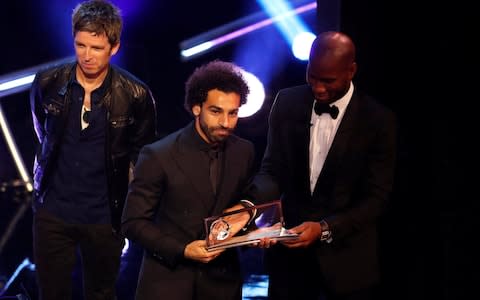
[55,246]
[220,279]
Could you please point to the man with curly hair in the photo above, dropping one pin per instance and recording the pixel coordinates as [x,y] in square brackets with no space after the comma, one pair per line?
[174,190]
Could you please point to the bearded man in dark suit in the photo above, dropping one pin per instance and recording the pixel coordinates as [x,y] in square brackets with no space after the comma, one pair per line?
[172,192]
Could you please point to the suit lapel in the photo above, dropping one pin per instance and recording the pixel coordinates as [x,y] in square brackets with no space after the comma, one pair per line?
[192,163]
[340,141]
[302,131]
[301,150]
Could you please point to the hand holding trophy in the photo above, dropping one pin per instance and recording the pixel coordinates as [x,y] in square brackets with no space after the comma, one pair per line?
[246,226]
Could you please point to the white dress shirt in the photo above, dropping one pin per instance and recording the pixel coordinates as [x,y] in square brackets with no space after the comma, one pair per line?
[322,132]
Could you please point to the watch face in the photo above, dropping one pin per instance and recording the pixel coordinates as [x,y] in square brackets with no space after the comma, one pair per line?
[326,236]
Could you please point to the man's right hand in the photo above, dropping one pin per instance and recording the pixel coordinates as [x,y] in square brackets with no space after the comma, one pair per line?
[197,250]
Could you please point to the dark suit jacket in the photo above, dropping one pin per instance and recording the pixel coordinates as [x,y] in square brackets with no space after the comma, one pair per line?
[167,202]
[351,191]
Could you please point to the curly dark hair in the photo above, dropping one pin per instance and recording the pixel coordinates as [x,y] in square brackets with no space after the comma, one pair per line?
[217,74]
[99,16]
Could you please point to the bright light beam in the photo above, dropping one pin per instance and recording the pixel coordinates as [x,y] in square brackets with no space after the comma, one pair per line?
[17,83]
[207,45]
[25,264]
[21,80]
[289,27]
[301,45]
[14,151]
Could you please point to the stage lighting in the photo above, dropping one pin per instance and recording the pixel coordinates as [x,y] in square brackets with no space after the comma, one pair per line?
[301,45]
[26,264]
[255,98]
[282,13]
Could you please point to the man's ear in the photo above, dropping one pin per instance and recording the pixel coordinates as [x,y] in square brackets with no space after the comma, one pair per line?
[114,49]
[196,109]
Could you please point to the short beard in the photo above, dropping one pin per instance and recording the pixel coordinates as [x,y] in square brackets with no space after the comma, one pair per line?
[209,133]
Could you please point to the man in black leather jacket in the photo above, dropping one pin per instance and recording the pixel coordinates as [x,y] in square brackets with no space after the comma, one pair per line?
[91,119]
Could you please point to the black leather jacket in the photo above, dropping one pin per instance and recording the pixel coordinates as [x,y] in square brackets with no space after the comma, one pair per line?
[131,117]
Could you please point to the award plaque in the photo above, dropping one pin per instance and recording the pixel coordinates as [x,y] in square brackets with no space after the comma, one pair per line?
[246,226]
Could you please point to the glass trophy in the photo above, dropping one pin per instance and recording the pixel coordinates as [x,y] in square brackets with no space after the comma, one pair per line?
[246,226]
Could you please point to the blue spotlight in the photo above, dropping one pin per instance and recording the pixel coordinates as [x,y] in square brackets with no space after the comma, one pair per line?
[256,96]
[301,45]
[290,24]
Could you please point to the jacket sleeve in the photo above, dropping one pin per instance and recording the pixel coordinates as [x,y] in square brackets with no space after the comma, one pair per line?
[38,114]
[145,129]
[265,185]
[143,199]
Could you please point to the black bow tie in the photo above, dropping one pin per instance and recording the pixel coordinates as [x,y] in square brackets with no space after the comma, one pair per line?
[321,108]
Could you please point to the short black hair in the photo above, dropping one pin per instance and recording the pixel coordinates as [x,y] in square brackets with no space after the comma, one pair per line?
[217,74]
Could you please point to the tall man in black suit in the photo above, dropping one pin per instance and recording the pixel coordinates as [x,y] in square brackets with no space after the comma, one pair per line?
[330,156]
[172,193]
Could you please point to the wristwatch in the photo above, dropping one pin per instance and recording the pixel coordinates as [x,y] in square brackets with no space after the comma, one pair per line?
[326,234]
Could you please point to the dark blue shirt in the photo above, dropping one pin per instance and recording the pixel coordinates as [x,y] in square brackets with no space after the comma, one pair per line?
[78,190]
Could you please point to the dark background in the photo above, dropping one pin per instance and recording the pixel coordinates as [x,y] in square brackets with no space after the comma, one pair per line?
[417,57]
